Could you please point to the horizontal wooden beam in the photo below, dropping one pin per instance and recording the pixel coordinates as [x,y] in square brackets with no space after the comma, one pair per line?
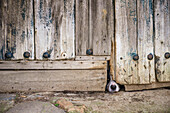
[53,65]
[146,86]
[53,80]
[92,58]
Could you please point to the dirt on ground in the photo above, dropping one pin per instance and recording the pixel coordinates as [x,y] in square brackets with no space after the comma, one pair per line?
[149,101]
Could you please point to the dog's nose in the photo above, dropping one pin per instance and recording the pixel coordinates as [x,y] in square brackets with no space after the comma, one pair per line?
[113,87]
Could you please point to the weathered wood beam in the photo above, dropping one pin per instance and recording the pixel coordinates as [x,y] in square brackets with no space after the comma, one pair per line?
[53,80]
[92,58]
[53,65]
[134,87]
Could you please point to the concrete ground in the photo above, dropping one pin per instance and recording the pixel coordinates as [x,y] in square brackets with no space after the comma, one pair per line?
[147,101]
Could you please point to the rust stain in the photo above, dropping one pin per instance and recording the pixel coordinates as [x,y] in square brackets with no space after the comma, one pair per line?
[104,13]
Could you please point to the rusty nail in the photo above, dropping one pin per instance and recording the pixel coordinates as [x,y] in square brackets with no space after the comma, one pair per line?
[8,55]
[26,54]
[150,56]
[46,55]
[167,55]
[89,52]
[136,57]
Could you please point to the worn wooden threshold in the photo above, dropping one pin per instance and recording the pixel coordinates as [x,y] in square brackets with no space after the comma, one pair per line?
[19,65]
[146,86]
[35,76]
[92,58]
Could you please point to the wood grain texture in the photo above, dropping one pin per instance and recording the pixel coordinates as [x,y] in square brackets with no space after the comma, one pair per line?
[145,41]
[56,80]
[162,39]
[82,26]
[94,26]
[154,85]
[16,28]
[54,33]
[9,65]
[126,45]
[92,58]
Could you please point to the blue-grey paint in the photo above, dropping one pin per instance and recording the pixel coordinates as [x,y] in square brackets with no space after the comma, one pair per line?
[40,9]
[22,3]
[2,52]
[23,36]
[13,32]
[23,13]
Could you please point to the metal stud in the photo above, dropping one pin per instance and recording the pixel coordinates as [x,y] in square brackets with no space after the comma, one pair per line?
[150,56]
[136,57]
[8,55]
[167,55]
[89,52]
[26,54]
[46,55]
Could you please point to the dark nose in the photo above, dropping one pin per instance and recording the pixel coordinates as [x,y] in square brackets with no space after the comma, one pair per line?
[113,87]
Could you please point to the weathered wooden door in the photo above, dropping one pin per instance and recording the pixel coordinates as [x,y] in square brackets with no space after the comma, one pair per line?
[162,39]
[94,27]
[142,41]
[54,29]
[42,28]
[16,29]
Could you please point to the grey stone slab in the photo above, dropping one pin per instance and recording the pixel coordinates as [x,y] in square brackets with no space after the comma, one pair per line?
[35,107]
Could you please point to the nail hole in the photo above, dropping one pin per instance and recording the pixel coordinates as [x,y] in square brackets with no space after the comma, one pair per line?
[121,58]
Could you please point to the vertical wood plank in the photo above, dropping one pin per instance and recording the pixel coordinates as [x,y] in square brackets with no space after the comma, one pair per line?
[126,46]
[17,30]
[145,41]
[54,23]
[162,39]
[82,26]
[100,26]
[1,31]
[94,26]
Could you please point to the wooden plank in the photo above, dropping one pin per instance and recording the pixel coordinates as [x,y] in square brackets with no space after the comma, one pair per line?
[146,86]
[54,28]
[126,46]
[162,39]
[53,65]
[56,80]
[16,29]
[1,32]
[92,58]
[82,27]
[100,26]
[94,26]
[146,68]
